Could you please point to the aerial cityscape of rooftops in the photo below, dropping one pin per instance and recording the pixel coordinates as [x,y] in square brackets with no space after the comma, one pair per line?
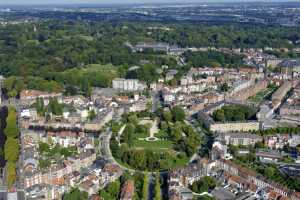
[153,101]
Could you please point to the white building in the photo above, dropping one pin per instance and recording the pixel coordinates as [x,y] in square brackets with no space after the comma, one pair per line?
[241,84]
[29,113]
[169,98]
[128,84]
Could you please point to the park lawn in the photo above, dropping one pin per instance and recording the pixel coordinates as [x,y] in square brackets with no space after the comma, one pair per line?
[160,134]
[86,37]
[153,145]
[180,162]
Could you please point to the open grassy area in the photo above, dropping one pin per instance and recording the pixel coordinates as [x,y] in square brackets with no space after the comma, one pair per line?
[96,74]
[86,37]
[153,145]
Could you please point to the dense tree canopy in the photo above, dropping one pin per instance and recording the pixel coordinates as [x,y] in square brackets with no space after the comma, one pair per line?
[182,139]
[11,147]
[213,59]
[111,191]
[205,184]
[63,54]
[75,194]
[11,129]
[234,113]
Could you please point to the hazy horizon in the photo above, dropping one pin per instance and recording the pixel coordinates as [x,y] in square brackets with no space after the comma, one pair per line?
[64,2]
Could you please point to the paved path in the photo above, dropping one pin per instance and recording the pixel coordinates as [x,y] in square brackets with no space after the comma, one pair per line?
[151,185]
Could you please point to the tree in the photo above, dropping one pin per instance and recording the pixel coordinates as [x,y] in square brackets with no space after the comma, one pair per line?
[43,147]
[114,188]
[205,184]
[13,86]
[75,194]
[92,115]
[145,188]
[111,191]
[239,116]
[44,163]
[55,107]
[86,87]
[11,150]
[71,90]
[133,119]
[11,129]
[142,129]
[127,136]
[178,113]
[167,115]
[224,87]
[270,171]
[115,127]
[175,134]
[219,115]
[40,107]
[164,126]
[157,189]
[10,174]
[234,113]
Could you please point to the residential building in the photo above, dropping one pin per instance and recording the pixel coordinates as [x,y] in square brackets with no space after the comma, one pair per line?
[280,93]
[244,139]
[30,96]
[235,126]
[142,46]
[128,84]
[250,180]
[268,156]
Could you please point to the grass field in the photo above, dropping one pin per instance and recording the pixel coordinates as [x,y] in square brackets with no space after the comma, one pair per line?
[153,145]
[86,37]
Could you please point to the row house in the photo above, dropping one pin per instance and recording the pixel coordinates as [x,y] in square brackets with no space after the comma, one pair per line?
[252,177]
[180,179]
[64,138]
[30,96]
[55,174]
[244,139]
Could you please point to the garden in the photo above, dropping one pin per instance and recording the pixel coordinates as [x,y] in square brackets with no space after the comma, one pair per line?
[154,141]
[237,112]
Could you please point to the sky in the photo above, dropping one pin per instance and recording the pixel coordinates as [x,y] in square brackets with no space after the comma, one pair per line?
[28,2]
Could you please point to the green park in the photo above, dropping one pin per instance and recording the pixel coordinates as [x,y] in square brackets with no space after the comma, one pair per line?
[154,141]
